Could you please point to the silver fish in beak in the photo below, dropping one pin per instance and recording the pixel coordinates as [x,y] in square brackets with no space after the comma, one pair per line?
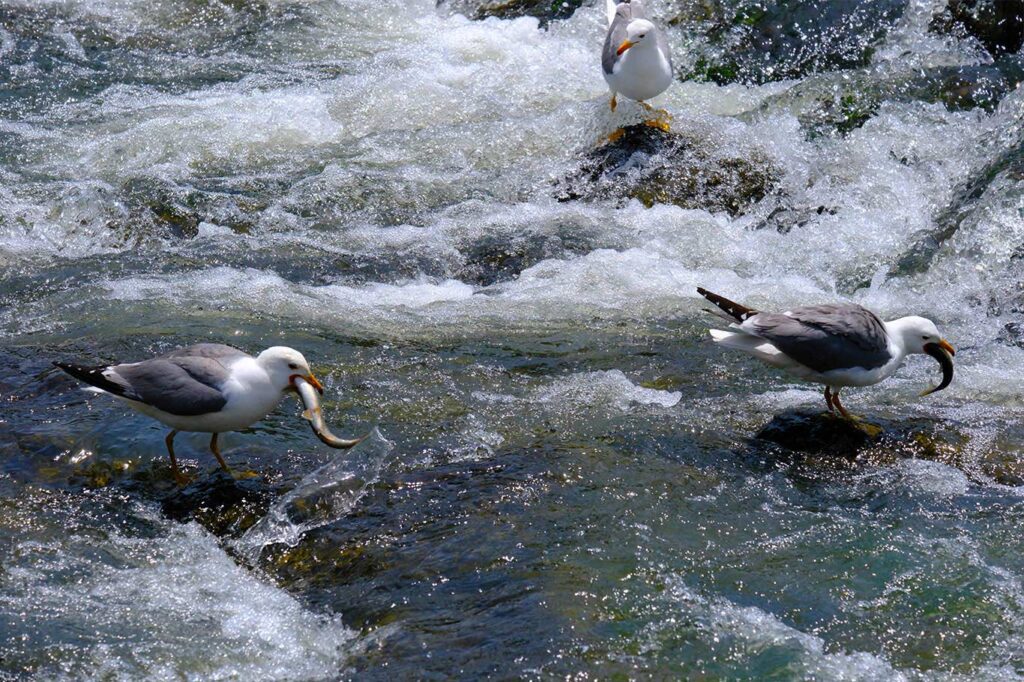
[315,416]
[943,352]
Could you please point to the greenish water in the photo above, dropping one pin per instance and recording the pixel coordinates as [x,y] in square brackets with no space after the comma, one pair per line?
[567,480]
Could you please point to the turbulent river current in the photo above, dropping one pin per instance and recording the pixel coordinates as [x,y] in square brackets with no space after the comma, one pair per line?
[565,478]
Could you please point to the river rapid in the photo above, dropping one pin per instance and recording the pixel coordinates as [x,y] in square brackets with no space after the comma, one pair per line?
[567,479]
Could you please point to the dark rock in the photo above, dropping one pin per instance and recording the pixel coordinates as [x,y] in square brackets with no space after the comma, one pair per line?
[809,437]
[160,203]
[544,10]
[219,502]
[996,24]
[767,40]
[500,257]
[828,104]
[656,167]
[816,433]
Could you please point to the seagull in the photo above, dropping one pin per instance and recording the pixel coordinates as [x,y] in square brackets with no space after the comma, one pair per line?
[208,387]
[837,345]
[636,61]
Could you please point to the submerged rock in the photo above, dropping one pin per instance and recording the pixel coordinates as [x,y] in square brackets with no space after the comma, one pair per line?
[657,167]
[816,441]
[996,24]
[843,102]
[544,10]
[807,435]
[219,502]
[767,40]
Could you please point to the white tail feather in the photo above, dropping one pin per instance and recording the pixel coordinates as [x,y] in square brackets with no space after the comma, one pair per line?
[611,6]
[752,345]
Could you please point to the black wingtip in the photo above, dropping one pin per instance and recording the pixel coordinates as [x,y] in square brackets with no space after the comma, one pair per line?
[734,310]
[92,375]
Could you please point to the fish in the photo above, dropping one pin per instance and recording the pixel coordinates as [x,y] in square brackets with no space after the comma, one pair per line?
[315,416]
[945,360]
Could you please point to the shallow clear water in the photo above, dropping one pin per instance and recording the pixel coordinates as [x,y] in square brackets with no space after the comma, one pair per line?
[567,479]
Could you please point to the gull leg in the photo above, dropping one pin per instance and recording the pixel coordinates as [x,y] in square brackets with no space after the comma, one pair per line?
[216,453]
[842,410]
[178,476]
[614,103]
[828,399]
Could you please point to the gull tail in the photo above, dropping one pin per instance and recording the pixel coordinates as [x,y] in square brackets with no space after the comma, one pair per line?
[752,345]
[93,376]
[734,310]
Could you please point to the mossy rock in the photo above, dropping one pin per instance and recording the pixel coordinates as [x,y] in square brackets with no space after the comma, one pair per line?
[811,436]
[222,504]
[544,10]
[658,167]
[759,41]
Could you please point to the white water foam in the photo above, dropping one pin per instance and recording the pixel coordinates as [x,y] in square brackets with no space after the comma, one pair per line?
[101,603]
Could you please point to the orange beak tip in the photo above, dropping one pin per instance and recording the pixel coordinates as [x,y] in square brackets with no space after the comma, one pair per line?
[623,47]
[315,383]
[945,345]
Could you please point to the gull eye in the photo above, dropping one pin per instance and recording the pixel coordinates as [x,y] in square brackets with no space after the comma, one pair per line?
[925,337]
[292,365]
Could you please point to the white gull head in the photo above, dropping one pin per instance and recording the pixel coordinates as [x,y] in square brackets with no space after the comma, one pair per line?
[283,365]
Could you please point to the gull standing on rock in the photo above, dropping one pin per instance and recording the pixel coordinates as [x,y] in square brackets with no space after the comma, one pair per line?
[636,61]
[837,345]
[208,387]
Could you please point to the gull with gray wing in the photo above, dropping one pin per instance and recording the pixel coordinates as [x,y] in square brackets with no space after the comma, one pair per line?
[208,387]
[636,61]
[837,345]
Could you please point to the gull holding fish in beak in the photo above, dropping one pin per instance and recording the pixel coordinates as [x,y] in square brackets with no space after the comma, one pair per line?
[208,388]
[636,60]
[836,345]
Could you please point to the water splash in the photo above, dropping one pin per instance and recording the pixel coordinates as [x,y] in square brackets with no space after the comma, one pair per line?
[321,497]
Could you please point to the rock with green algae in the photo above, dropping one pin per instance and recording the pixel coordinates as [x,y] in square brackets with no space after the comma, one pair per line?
[658,167]
[759,41]
[876,441]
[822,441]
[543,10]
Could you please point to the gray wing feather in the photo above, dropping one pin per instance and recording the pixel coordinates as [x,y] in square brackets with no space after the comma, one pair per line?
[185,382]
[826,337]
[616,34]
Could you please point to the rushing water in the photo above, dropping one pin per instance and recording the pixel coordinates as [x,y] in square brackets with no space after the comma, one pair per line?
[567,478]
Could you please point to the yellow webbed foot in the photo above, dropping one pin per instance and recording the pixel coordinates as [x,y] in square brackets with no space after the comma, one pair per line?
[615,135]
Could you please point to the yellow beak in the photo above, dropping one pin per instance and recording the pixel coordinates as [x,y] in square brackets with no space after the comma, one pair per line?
[309,379]
[944,345]
[315,383]
[626,44]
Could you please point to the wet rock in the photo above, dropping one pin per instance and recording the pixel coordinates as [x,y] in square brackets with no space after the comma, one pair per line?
[656,167]
[153,201]
[223,504]
[996,24]
[809,437]
[544,10]
[1007,167]
[499,258]
[769,40]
